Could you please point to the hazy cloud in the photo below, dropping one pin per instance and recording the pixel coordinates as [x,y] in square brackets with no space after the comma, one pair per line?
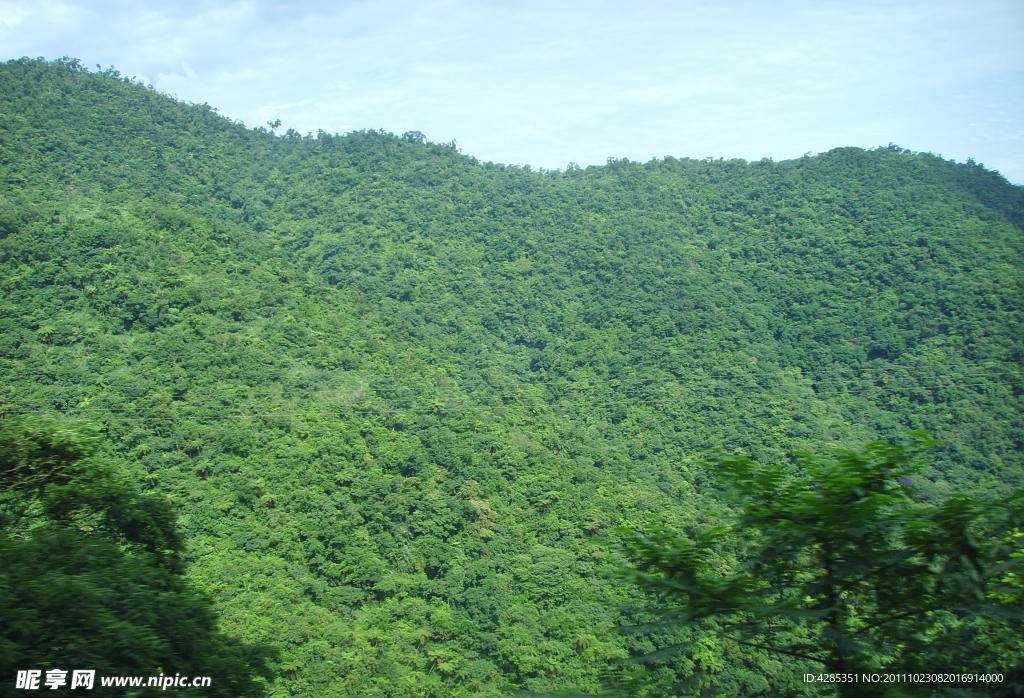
[546,83]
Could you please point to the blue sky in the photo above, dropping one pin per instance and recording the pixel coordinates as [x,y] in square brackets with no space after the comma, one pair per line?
[546,83]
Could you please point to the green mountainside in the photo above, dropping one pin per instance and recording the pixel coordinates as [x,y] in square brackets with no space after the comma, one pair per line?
[397,394]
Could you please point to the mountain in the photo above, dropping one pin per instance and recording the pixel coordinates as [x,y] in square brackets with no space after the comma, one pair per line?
[399,395]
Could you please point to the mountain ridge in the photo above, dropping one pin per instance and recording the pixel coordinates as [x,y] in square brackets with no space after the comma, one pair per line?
[396,392]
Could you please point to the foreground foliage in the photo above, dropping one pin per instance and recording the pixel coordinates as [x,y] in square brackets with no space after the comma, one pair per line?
[841,567]
[395,393]
[91,575]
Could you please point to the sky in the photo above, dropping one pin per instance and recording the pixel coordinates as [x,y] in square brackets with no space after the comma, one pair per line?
[548,83]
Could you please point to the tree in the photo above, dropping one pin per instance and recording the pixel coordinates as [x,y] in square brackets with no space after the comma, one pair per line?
[840,565]
[91,571]
[314,345]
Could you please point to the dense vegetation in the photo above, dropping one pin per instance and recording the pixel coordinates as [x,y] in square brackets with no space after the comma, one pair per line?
[91,572]
[842,567]
[396,393]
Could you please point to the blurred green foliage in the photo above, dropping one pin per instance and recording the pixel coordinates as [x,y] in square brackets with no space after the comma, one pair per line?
[395,392]
[841,569]
[91,573]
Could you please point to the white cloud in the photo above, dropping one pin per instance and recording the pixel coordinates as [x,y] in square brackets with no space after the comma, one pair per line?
[549,82]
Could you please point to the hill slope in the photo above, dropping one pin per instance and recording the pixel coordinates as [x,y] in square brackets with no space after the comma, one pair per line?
[395,391]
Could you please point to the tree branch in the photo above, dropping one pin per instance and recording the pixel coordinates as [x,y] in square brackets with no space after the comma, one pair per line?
[877,623]
[906,556]
[791,653]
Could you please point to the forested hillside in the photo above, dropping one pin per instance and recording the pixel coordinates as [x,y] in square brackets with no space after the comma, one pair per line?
[396,394]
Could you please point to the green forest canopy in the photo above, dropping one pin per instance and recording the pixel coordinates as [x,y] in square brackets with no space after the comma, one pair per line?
[395,392]
[840,566]
[91,573]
